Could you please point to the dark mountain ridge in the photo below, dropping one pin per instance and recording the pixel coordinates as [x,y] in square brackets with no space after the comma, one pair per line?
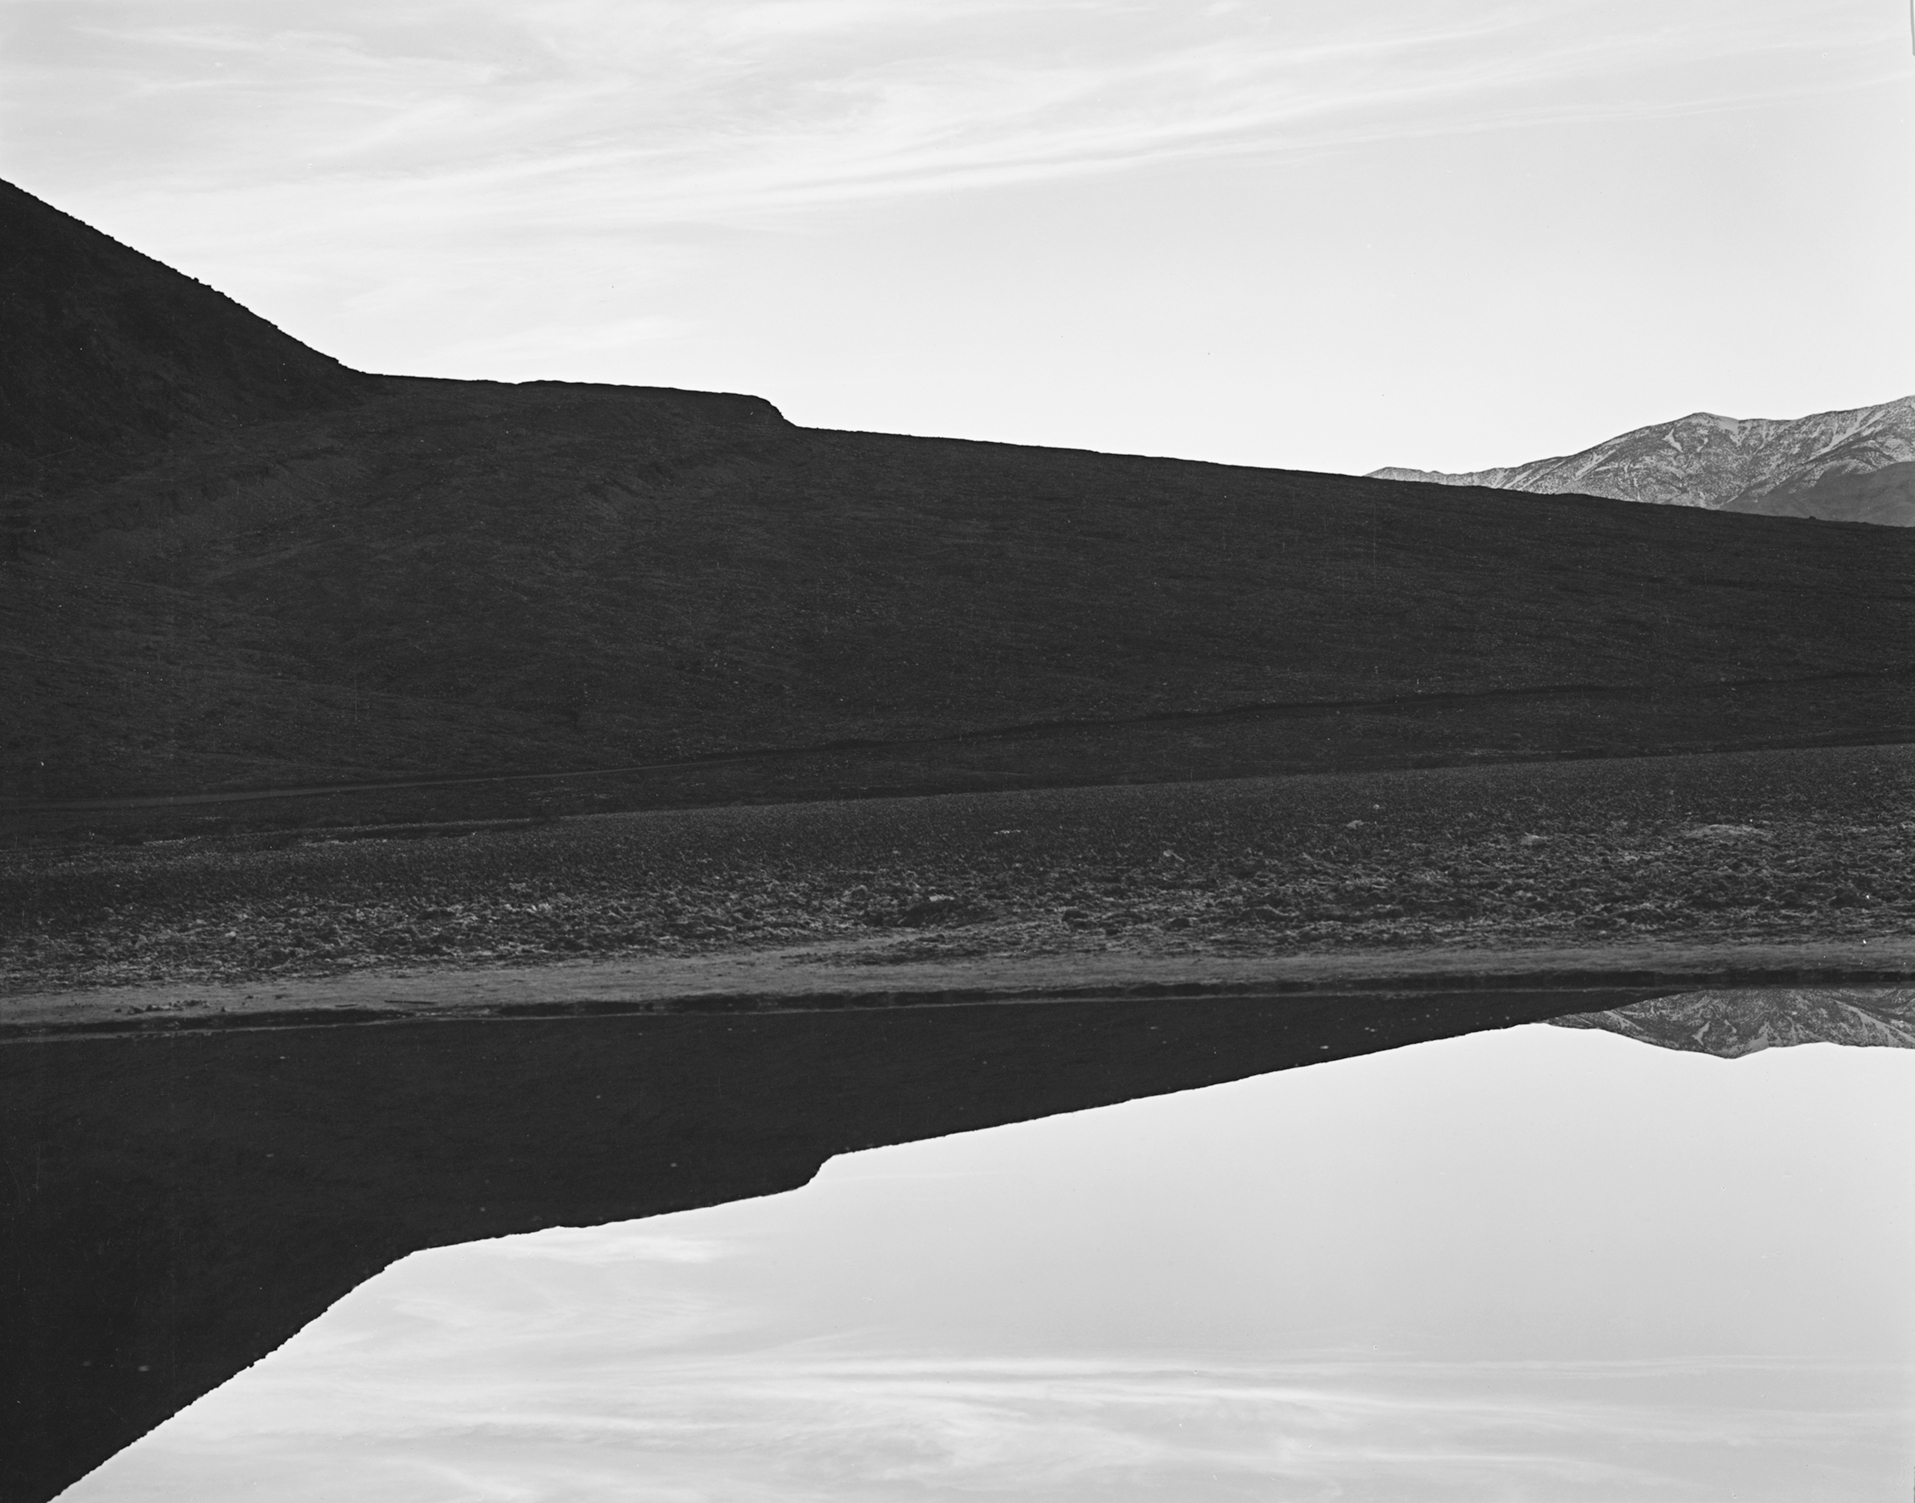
[289,573]
[108,352]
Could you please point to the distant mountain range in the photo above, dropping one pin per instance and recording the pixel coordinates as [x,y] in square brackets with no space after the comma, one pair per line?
[1852,466]
[1737,1022]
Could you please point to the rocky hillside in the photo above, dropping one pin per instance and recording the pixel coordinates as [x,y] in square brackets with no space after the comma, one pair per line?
[1734,1023]
[109,353]
[1885,496]
[1856,466]
[272,572]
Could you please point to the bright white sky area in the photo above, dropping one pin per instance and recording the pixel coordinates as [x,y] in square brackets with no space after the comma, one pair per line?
[1328,234]
[1541,1266]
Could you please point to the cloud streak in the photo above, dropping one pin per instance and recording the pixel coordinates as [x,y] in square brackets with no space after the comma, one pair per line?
[996,1315]
[512,187]
[817,1424]
[656,112]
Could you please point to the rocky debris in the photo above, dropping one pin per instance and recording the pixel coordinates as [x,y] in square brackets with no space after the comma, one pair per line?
[1653,848]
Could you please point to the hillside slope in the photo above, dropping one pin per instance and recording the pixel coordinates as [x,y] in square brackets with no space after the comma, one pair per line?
[1885,497]
[108,352]
[317,576]
[1721,463]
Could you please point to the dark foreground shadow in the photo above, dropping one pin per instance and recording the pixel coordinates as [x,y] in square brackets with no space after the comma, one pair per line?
[178,1204]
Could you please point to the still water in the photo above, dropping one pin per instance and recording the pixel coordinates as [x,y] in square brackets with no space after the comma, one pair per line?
[1537,1264]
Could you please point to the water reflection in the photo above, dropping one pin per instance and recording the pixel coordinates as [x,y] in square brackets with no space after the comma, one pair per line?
[1539,1264]
[1745,1020]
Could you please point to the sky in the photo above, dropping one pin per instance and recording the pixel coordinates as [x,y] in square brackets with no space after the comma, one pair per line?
[1542,1265]
[1331,234]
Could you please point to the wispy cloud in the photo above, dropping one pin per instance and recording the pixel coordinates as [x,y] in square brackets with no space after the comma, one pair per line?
[811,1424]
[991,1315]
[523,176]
[639,112]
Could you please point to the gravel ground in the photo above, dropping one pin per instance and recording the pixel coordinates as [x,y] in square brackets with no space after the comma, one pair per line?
[1774,846]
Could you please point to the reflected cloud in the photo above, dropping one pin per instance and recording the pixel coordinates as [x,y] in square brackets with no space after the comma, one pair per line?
[857,1426]
[1449,1272]
[592,1244]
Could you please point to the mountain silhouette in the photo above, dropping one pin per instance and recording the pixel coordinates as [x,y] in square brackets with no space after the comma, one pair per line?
[1854,466]
[185,1202]
[272,571]
[109,353]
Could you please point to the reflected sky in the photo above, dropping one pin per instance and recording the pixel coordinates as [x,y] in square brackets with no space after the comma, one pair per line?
[1534,1265]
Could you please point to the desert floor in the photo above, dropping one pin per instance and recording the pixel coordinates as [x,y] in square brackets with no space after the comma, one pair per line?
[1562,867]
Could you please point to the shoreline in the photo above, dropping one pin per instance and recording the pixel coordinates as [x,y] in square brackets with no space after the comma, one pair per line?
[837,978]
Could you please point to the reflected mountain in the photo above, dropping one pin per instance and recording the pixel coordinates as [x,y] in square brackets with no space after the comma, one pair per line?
[180,1203]
[1744,1020]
